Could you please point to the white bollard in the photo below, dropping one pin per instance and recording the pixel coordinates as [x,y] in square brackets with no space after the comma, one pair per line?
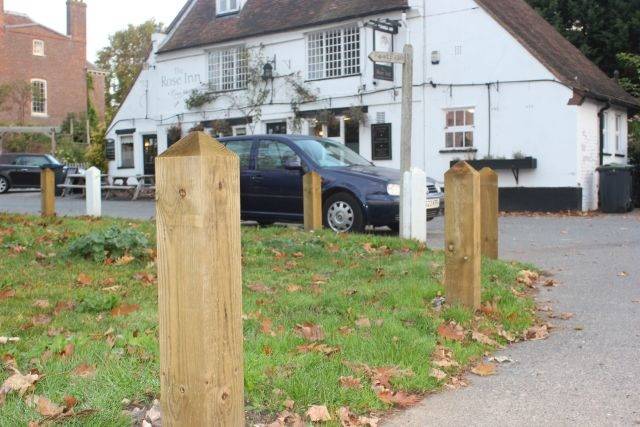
[93,191]
[413,209]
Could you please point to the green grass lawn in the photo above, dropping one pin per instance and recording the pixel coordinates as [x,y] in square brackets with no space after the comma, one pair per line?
[372,296]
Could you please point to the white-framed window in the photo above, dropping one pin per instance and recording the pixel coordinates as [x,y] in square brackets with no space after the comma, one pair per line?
[38,47]
[606,138]
[38,97]
[227,6]
[333,53]
[228,69]
[459,128]
[127,158]
[239,130]
[618,135]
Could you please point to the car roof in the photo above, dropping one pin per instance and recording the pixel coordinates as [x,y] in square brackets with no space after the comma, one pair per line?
[270,136]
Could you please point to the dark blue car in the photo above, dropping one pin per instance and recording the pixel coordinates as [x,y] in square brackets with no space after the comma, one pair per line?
[355,193]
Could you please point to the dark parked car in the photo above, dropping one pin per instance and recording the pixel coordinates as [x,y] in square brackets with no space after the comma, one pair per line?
[23,170]
[355,192]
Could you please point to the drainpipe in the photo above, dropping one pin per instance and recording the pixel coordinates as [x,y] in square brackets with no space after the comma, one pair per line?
[606,107]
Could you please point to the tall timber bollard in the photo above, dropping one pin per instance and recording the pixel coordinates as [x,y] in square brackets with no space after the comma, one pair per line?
[489,213]
[48,191]
[462,235]
[312,201]
[199,284]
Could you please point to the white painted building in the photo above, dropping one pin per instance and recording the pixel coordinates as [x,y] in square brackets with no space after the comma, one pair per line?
[492,80]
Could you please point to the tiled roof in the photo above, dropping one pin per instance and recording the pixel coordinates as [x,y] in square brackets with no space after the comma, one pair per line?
[201,26]
[14,18]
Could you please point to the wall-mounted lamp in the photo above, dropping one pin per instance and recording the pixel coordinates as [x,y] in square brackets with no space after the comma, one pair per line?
[267,72]
[435,57]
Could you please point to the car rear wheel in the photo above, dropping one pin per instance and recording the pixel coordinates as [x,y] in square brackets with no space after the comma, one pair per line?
[4,184]
[343,214]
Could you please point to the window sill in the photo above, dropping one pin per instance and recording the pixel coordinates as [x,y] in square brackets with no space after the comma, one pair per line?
[620,155]
[333,78]
[121,168]
[231,12]
[458,150]
[40,115]
[607,154]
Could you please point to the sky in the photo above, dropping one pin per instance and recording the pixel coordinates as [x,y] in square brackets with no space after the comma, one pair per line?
[104,17]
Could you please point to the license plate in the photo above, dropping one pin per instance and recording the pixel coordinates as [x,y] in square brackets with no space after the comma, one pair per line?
[433,203]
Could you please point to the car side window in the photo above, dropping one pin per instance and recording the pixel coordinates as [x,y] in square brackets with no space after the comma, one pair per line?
[274,155]
[35,161]
[243,150]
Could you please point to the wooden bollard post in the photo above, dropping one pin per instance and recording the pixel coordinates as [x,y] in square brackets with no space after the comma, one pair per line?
[200,284]
[489,213]
[48,191]
[462,235]
[312,195]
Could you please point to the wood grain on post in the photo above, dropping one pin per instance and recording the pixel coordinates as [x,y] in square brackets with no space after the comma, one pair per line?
[312,195]
[489,213]
[200,284]
[48,192]
[462,235]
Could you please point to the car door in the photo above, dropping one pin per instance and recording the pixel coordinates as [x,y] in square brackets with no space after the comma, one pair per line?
[243,148]
[27,171]
[276,189]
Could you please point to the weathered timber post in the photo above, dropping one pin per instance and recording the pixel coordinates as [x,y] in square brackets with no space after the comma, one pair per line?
[54,145]
[48,191]
[462,235]
[93,191]
[200,284]
[312,195]
[489,213]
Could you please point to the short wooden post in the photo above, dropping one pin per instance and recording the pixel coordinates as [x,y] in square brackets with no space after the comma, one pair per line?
[462,235]
[489,213]
[200,284]
[48,191]
[312,194]
[93,191]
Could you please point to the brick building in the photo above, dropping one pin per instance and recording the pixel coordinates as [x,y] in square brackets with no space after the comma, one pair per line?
[54,64]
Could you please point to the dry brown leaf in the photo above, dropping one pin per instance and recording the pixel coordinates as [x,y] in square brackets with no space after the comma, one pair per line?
[318,279]
[345,330]
[289,404]
[566,316]
[83,279]
[528,278]
[7,293]
[318,414]
[350,382]
[309,331]
[550,283]
[47,408]
[124,260]
[333,248]
[348,419]
[437,374]
[451,331]
[63,305]
[124,309]
[535,333]
[443,357]
[623,274]
[41,303]
[484,369]
[483,339]
[69,402]
[363,322]
[18,382]
[145,278]
[277,254]
[293,288]
[297,255]
[260,288]
[68,350]
[40,319]
[84,371]
[318,348]
[368,248]
[400,398]
[265,327]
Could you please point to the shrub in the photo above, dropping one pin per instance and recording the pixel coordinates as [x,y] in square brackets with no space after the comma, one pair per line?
[98,303]
[112,242]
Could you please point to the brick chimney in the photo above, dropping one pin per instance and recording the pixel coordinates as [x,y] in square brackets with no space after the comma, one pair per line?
[1,16]
[76,20]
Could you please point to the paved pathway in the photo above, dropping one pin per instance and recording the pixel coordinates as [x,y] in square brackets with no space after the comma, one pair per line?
[586,373]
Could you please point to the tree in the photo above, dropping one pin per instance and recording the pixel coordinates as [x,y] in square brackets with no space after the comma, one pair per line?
[20,98]
[123,59]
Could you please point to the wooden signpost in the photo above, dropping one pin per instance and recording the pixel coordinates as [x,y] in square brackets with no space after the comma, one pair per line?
[199,284]
[462,236]
[48,192]
[489,213]
[312,201]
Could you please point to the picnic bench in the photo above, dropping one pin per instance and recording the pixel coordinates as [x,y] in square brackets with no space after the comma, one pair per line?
[145,185]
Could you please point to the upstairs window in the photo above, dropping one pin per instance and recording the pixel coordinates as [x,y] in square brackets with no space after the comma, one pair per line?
[38,97]
[228,69]
[333,53]
[38,48]
[227,6]
[459,128]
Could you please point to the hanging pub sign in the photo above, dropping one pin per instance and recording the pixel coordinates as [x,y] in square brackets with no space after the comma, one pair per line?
[381,141]
[383,32]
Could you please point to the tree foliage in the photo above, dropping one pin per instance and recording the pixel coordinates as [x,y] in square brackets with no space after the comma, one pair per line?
[123,58]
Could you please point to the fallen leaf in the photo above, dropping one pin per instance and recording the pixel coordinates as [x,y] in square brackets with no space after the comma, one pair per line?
[293,288]
[83,279]
[265,327]
[84,371]
[40,319]
[535,333]
[437,374]
[350,382]
[47,408]
[277,254]
[63,305]
[345,330]
[484,369]
[69,402]
[501,359]
[124,309]
[318,279]
[298,255]
[348,419]
[566,316]
[124,260]
[6,340]
[623,274]
[318,348]
[318,414]
[41,303]
[442,357]
[17,249]
[483,339]
[451,331]
[550,283]
[18,382]
[309,331]
[368,248]
[7,293]
[400,398]
[68,350]
[333,248]
[260,288]
[527,278]
[146,278]
[363,322]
